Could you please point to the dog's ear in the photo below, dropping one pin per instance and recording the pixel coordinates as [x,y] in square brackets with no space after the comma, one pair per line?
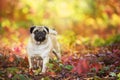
[32,28]
[46,29]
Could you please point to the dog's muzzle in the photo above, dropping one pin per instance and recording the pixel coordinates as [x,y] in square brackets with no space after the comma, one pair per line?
[40,36]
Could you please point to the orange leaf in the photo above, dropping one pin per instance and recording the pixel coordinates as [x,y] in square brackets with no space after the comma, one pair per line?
[11,59]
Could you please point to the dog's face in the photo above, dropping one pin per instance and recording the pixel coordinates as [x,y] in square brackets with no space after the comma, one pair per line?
[39,33]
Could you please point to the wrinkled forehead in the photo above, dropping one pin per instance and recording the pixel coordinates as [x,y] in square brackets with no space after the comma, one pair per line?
[39,28]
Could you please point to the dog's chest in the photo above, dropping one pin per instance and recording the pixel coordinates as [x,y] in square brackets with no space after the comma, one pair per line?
[39,50]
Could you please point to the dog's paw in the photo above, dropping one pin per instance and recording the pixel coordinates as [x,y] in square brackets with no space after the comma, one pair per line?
[42,73]
[30,71]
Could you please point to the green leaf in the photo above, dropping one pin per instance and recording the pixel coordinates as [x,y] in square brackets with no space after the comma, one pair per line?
[112,74]
[97,78]
[46,78]
[118,75]
[68,67]
[106,68]
[37,71]
[51,65]
[93,69]
[20,77]
[12,70]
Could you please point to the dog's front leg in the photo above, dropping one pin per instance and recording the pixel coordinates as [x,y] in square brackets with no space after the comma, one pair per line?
[30,62]
[44,66]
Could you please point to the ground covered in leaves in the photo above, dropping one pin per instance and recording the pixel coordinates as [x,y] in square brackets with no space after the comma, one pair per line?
[81,24]
[87,63]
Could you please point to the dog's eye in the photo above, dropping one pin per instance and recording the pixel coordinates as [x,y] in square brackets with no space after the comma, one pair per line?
[44,31]
[36,31]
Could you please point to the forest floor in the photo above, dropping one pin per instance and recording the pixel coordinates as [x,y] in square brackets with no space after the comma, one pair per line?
[87,63]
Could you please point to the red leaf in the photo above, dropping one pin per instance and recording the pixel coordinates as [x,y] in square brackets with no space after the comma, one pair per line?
[97,66]
[53,74]
[82,66]
[11,58]
[17,49]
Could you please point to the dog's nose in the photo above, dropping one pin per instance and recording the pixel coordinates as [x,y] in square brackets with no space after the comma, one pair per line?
[37,38]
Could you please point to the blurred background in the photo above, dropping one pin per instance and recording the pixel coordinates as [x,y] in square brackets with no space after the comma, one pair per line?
[78,22]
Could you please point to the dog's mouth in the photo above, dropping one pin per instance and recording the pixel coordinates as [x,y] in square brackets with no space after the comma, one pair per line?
[38,42]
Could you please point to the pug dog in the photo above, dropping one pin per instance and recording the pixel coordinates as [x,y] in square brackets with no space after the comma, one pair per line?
[42,43]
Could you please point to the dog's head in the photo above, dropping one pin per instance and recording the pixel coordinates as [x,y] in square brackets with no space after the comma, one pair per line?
[39,33]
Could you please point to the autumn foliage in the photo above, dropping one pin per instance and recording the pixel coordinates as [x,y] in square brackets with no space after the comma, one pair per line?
[88,33]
